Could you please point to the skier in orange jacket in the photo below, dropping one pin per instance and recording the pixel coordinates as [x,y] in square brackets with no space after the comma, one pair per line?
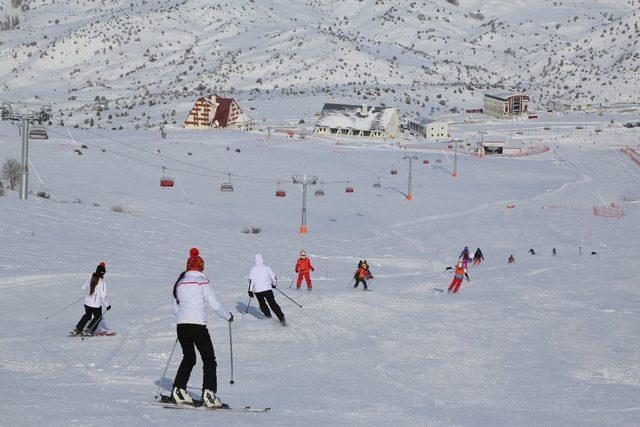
[303,268]
[362,274]
[459,274]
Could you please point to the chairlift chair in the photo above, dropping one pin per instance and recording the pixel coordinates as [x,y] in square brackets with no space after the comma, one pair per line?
[320,191]
[394,171]
[280,192]
[227,186]
[38,133]
[165,181]
[425,162]
[349,189]
[377,184]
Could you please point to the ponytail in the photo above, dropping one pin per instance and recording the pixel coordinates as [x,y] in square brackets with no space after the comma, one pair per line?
[94,282]
[175,286]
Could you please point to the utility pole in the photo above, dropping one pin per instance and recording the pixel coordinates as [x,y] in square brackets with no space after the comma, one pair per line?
[25,114]
[304,181]
[455,160]
[411,158]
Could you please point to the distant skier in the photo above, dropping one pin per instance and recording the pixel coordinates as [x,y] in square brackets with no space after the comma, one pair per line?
[478,257]
[511,259]
[363,274]
[191,296]
[532,252]
[261,282]
[459,274]
[304,268]
[554,252]
[95,298]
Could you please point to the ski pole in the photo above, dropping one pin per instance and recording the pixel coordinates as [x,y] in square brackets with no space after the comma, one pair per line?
[291,284]
[288,297]
[231,352]
[166,368]
[63,309]
[350,281]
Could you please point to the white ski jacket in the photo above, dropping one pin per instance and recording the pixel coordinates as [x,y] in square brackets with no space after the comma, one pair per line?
[99,297]
[261,277]
[195,294]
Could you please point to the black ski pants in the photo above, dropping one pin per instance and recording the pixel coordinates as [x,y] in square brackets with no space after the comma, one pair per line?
[96,312]
[191,335]
[358,280]
[265,297]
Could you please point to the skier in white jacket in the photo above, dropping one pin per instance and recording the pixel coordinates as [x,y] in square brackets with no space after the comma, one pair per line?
[191,296]
[261,282]
[95,298]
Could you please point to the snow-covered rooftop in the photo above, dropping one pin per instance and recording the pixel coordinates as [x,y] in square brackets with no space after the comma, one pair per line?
[503,94]
[357,117]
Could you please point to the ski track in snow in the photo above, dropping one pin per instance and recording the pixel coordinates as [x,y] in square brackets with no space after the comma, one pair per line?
[546,341]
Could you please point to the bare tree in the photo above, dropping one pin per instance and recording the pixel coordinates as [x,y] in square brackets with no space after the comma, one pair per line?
[11,172]
[1,189]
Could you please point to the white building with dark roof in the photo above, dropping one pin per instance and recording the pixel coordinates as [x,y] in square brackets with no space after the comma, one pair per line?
[503,104]
[358,120]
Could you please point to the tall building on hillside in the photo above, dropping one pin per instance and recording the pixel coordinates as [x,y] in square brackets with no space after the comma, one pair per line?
[503,104]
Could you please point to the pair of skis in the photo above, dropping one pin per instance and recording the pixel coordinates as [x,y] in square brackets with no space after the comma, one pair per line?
[168,403]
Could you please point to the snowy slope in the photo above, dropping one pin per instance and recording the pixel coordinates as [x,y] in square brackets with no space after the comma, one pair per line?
[156,57]
[545,341]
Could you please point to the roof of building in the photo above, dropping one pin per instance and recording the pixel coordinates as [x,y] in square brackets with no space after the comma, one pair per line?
[344,116]
[222,109]
[504,95]
[424,121]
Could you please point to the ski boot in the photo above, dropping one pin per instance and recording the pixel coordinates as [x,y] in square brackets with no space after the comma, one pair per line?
[75,332]
[180,396]
[87,333]
[210,400]
[283,322]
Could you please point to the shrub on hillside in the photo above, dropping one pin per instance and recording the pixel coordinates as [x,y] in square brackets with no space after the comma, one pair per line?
[11,172]
[1,189]
[118,209]
[43,194]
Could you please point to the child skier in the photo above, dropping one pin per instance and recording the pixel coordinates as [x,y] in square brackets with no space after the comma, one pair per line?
[362,274]
[95,298]
[459,274]
[191,296]
[478,257]
[303,268]
[464,257]
[261,282]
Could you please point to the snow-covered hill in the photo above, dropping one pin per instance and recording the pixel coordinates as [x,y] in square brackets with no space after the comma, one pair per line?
[156,56]
[545,341]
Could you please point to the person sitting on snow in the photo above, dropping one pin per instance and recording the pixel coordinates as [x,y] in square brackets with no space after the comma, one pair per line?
[532,252]
[511,259]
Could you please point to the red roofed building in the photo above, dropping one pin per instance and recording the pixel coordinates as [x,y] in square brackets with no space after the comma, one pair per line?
[216,112]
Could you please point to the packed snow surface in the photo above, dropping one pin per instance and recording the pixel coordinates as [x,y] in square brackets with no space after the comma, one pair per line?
[545,341]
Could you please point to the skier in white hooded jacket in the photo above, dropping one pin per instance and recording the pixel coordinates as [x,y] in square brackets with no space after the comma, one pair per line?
[191,296]
[262,281]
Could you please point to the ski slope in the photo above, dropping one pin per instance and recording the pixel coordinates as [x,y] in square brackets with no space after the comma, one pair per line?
[545,341]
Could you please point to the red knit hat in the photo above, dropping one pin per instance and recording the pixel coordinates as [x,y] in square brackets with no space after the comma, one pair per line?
[195,262]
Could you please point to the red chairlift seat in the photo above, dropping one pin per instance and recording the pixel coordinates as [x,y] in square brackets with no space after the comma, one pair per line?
[166,182]
[425,162]
[280,193]
[394,171]
[349,189]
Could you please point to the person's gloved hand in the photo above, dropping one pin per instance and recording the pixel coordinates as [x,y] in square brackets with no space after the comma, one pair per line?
[250,294]
[230,318]
[108,307]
